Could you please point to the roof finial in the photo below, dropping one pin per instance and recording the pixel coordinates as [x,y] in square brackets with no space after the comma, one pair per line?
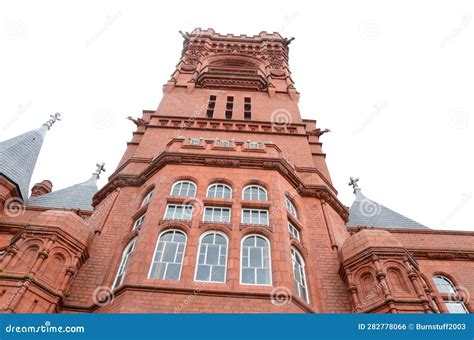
[100,168]
[54,118]
[354,184]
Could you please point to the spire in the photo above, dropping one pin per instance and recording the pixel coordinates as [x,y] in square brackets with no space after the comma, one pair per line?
[78,196]
[19,154]
[369,213]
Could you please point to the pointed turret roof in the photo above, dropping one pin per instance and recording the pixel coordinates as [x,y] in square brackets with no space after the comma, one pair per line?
[18,156]
[78,196]
[369,213]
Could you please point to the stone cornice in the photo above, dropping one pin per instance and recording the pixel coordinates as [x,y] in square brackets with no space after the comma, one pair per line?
[188,291]
[118,180]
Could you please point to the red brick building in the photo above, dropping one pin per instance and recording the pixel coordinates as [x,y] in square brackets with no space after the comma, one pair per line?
[222,202]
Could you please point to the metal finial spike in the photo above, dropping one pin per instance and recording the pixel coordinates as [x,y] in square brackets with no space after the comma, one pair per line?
[53,119]
[100,169]
[353,183]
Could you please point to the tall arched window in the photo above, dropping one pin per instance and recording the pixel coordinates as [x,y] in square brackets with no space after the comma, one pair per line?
[168,258]
[446,291]
[255,261]
[254,193]
[443,284]
[299,275]
[183,188]
[122,271]
[212,258]
[219,190]
[290,207]
[147,198]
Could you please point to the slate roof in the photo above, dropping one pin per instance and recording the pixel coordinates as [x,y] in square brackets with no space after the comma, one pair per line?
[372,214]
[78,196]
[18,157]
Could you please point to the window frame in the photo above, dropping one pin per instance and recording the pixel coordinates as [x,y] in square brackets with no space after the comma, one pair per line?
[124,263]
[180,183]
[147,198]
[256,186]
[259,218]
[296,253]
[290,207]
[199,252]
[139,221]
[212,207]
[223,191]
[155,250]
[292,227]
[180,205]
[269,261]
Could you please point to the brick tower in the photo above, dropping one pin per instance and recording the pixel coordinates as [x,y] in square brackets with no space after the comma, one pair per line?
[221,192]
[222,202]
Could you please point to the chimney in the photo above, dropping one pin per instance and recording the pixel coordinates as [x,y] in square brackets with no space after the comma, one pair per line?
[41,188]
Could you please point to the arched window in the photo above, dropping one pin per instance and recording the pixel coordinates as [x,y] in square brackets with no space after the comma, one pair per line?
[443,285]
[254,193]
[447,291]
[122,271]
[168,258]
[184,188]
[147,198]
[290,207]
[299,274]
[255,261]
[212,258]
[219,190]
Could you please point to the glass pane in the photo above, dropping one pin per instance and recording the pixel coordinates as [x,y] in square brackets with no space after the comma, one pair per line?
[203,273]
[166,236]
[212,255]
[179,237]
[160,270]
[261,242]
[263,276]
[218,274]
[456,307]
[249,241]
[248,275]
[170,252]
[256,257]
[220,239]
[172,272]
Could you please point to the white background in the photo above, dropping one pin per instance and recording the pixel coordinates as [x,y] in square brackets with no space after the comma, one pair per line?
[393,80]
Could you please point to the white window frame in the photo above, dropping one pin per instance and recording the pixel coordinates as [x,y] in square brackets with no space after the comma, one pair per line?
[290,207]
[180,189]
[447,280]
[147,198]
[269,261]
[124,262]
[168,206]
[156,248]
[213,208]
[224,143]
[294,232]
[254,186]
[461,303]
[225,186]
[138,222]
[195,141]
[199,252]
[295,253]
[259,216]
[254,145]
